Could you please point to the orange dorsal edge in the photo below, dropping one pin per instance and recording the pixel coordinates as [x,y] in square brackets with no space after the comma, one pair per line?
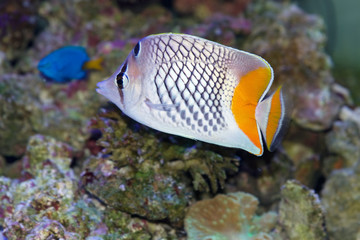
[246,97]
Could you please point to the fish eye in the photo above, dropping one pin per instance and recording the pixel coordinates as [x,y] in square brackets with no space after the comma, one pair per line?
[137,49]
[122,80]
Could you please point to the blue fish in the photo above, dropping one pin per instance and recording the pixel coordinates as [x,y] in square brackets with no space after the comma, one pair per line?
[66,64]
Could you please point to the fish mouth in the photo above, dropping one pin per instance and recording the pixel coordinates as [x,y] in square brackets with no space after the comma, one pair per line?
[99,88]
[109,90]
[103,87]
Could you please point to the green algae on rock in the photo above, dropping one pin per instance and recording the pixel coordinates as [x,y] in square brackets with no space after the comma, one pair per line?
[148,194]
[45,195]
[207,168]
[48,204]
[44,107]
[128,144]
[16,106]
[301,215]
[42,148]
[121,225]
[42,201]
[227,217]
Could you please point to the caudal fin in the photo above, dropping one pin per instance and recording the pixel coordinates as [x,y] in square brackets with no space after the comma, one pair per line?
[95,64]
[247,94]
[272,116]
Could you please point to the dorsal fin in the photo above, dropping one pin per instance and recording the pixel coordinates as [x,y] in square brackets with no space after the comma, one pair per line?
[247,94]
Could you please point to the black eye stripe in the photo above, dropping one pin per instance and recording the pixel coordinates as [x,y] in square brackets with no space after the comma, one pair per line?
[137,49]
[124,68]
[120,77]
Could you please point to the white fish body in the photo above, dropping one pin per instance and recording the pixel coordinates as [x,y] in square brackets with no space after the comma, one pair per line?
[195,88]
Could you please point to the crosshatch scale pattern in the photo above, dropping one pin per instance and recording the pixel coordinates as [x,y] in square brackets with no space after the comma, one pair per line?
[192,75]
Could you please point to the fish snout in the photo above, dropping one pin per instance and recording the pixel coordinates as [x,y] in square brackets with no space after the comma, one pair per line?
[104,87]
[108,89]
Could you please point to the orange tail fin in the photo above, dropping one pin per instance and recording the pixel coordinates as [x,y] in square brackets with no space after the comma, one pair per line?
[272,117]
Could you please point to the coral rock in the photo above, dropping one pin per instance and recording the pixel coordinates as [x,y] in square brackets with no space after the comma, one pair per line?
[228,217]
[42,148]
[344,141]
[300,213]
[147,194]
[340,197]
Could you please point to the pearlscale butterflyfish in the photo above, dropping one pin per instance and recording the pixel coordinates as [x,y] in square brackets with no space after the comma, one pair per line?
[195,88]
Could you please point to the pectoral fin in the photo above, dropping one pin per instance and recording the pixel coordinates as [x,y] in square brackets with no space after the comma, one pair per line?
[160,107]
